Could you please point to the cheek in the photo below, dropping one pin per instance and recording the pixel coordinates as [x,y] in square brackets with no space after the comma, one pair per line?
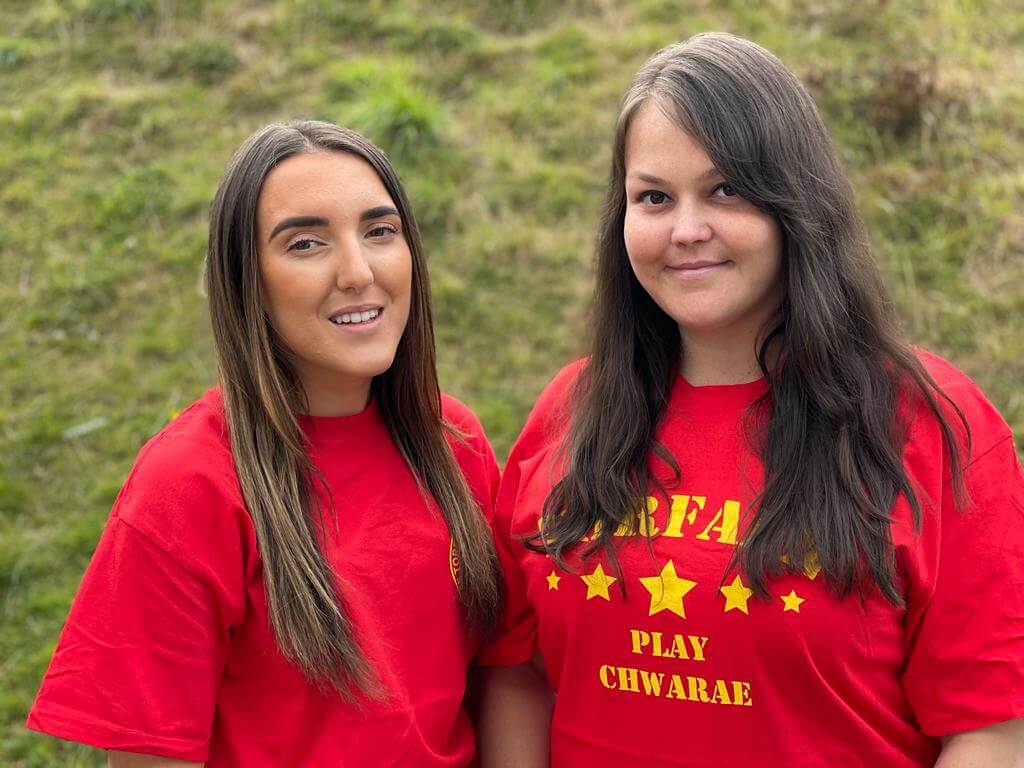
[275,294]
[394,275]
[768,244]
[645,241]
[293,296]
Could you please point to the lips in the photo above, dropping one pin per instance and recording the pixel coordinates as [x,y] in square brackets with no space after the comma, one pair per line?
[698,264]
[356,315]
[695,269]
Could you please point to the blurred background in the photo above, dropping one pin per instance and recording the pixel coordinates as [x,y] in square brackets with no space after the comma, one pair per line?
[118,116]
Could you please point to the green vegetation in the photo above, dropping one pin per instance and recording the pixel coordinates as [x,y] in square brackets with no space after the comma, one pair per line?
[117,117]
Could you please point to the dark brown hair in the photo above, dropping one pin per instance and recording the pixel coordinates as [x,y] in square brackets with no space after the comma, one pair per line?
[828,429]
[262,396]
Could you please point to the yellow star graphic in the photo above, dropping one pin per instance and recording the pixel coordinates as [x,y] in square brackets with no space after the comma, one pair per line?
[598,583]
[736,595]
[553,579]
[791,601]
[667,591]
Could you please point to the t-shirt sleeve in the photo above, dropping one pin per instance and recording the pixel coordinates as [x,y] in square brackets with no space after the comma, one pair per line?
[520,497]
[965,666]
[139,662]
[517,636]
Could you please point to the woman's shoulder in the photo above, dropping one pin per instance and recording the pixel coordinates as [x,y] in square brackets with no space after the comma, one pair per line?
[194,443]
[183,477]
[550,416]
[460,415]
[468,432]
[959,395]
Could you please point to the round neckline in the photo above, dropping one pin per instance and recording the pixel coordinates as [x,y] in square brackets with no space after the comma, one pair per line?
[721,395]
[334,428]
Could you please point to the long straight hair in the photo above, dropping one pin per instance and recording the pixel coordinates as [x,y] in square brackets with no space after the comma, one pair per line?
[262,397]
[828,430]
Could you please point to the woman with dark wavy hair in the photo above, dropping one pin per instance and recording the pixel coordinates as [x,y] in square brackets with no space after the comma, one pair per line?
[755,527]
[299,567]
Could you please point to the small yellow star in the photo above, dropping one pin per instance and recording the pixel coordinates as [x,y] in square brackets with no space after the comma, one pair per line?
[598,583]
[791,601]
[553,579]
[736,595]
[667,591]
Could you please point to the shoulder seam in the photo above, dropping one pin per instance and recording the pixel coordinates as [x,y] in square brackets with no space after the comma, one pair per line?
[975,459]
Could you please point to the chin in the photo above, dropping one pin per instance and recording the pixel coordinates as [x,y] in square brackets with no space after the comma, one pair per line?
[367,368]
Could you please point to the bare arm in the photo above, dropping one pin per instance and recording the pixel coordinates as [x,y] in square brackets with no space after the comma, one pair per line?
[514,728]
[995,746]
[134,760]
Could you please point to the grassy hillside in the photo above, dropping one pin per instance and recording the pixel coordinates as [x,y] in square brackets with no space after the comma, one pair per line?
[117,117]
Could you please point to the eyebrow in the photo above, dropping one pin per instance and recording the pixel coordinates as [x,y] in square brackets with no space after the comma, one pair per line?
[294,222]
[650,179]
[379,212]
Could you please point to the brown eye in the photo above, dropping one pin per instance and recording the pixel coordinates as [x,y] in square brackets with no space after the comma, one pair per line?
[726,189]
[382,230]
[653,197]
[305,244]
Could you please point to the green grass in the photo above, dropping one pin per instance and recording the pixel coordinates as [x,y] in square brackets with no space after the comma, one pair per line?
[117,117]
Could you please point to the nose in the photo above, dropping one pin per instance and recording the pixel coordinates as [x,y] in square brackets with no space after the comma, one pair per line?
[690,225]
[353,271]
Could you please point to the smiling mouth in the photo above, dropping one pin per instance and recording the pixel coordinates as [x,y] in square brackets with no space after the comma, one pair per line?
[357,318]
[697,269]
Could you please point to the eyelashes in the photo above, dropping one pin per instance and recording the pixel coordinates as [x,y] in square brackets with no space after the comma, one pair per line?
[295,247]
[382,230]
[376,232]
[652,197]
[655,198]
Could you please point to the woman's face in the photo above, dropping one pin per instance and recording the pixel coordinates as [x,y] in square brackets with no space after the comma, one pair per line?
[336,274]
[710,259]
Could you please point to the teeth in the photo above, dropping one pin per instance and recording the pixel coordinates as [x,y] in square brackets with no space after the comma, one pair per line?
[355,318]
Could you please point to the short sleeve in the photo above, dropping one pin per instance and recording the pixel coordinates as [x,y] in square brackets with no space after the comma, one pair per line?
[517,637]
[139,663]
[521,492]
[965,667]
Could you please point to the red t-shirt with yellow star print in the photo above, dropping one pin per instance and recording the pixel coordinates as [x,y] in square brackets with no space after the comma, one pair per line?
[169,650]
[688,668]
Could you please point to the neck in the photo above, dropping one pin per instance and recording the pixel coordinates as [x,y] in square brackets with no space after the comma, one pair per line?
[720,358]
[335,396]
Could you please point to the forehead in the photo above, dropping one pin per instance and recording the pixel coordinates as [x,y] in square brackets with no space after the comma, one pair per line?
[326,183]
[655,144]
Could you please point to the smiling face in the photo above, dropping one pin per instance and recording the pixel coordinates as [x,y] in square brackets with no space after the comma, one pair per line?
[711,260]
[336,274]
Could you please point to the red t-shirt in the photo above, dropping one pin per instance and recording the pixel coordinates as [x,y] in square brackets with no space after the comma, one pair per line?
[168,649]
[688,669]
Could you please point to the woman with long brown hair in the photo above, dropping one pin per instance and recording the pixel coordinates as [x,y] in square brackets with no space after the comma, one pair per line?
[299,567]
[755,527]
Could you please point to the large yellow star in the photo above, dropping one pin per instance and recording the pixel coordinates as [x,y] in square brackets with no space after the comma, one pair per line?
[553,579]
[598,583]
[791,601]
[667,591]
[736,595]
